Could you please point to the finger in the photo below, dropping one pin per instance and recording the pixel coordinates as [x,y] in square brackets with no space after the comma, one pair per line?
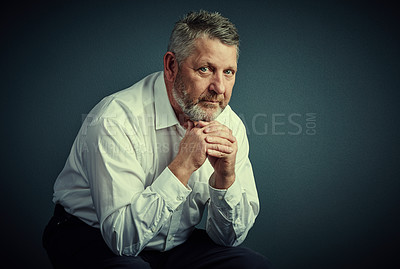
[190,125]
[220,148]
[216,153]
[218,140]
[201,124]
[216,128]
[222,134]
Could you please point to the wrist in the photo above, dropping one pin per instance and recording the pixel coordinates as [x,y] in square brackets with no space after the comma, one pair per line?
[181,170]
[221,182]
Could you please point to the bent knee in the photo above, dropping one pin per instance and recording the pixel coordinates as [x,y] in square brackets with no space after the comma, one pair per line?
[249,259]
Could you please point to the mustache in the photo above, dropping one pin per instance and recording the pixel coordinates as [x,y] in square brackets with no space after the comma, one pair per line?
[212,98]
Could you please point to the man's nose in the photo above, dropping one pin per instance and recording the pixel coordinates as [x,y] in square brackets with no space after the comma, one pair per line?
[217,83]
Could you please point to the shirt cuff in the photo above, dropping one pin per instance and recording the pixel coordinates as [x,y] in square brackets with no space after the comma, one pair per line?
[168,186]
[227,198]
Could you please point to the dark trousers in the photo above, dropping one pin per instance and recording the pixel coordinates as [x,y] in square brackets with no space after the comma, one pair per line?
[71,243]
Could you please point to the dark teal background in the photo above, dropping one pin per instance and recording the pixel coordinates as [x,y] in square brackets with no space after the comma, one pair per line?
[329,186]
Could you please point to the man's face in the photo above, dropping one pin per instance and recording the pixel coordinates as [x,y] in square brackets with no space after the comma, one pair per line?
[204,83]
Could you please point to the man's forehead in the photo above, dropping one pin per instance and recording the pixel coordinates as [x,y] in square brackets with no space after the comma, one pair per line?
[214,52]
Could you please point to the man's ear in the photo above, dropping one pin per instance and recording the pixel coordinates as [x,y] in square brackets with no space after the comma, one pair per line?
[170,66]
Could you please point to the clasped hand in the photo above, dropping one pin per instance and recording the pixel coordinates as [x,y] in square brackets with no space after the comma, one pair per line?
[211,140]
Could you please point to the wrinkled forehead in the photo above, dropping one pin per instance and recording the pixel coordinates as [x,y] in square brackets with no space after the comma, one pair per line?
[213,51]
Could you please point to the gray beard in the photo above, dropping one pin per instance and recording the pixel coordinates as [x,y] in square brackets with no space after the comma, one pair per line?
[192,110]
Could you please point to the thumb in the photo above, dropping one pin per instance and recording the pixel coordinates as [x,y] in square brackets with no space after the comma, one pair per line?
[190,125]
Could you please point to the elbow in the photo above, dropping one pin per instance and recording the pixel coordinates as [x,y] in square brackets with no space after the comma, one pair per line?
[121,241]
[119,245]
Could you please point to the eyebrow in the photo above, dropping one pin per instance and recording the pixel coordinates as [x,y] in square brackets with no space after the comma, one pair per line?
[213,65]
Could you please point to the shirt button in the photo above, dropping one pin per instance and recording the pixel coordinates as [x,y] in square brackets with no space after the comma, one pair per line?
[179,198]
[220,197]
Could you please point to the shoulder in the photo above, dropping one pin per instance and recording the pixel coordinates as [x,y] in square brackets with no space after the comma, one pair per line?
[134,101]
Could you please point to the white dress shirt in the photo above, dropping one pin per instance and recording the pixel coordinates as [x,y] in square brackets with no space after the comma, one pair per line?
[116,176]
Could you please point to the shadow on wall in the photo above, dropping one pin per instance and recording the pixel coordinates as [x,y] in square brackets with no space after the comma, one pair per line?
[316,89]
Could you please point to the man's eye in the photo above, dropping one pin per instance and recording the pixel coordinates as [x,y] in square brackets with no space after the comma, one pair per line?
[203,69]
[229,72]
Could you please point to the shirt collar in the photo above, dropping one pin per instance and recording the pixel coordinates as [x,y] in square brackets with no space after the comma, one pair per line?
[165,115]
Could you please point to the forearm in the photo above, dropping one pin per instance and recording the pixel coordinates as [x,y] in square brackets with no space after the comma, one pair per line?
[221,182]
[126,232]
[130,211]
[181,169]
[128,229]
[231,214]
[191,154]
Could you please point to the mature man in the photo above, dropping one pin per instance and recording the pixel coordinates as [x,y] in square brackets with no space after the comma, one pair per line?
[148,160]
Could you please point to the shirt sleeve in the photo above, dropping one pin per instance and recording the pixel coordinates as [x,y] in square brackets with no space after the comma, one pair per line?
[232,212]
[129,213]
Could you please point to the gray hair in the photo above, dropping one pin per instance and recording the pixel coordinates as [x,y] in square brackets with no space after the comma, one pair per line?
[197,25]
